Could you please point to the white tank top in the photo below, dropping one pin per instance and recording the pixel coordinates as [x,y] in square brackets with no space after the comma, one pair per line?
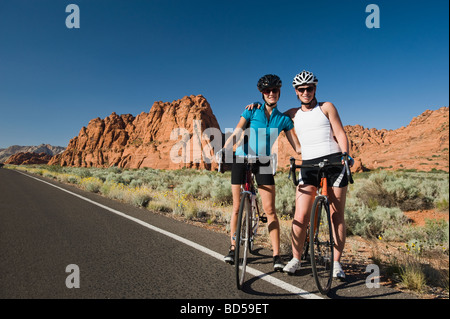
[315,134]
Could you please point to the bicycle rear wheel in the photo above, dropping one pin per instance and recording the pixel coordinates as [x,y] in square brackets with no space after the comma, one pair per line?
[242,239]
[321,244]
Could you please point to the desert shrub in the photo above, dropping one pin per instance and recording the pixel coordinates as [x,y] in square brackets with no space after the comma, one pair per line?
[73,179]
[114,190]
[412,276]
[55,168]
[115,178]
[285,196]
[136,183]
[207,187]
[404,190]
[114,169]
[140,196]
[83,172]
[198,187]
[91,184]
[160,179]
[48,174]
[434,235]
[221,191]
[371,223]
[127,176]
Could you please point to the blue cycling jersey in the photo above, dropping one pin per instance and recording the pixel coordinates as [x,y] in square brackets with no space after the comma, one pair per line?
[263,133]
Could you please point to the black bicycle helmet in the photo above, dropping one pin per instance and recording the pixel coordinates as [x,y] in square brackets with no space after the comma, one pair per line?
[269,81]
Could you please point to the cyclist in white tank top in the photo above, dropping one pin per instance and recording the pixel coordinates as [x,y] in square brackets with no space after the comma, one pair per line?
[321,134]
[315,134]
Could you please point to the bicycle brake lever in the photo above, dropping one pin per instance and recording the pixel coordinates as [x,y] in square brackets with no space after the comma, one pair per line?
[347,168]
[292,161]
[274,164]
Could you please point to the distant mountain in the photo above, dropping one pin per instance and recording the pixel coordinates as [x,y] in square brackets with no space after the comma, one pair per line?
[51,150]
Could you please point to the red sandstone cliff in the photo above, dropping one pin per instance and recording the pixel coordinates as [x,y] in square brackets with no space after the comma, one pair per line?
[422,145]
[170,136]
[28,158]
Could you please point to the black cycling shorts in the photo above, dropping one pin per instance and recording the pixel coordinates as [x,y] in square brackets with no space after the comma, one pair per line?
[262,172]
[337,176]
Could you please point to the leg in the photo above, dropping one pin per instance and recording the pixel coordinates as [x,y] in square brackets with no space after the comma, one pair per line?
[267,193]
[337,198]
[304,199]
[236,192]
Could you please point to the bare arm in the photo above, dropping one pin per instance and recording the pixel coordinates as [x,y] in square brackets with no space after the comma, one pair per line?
[336,125]
[236,133]
[293,140]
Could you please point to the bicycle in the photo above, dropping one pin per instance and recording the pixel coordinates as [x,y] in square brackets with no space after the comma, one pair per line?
[320,231]
[249,215]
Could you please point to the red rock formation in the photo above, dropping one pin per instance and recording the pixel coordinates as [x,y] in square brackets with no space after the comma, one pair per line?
[422,145]
[26,158]
[170,136]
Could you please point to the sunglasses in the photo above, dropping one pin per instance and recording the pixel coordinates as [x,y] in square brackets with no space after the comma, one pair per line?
[274,91]
[309,89]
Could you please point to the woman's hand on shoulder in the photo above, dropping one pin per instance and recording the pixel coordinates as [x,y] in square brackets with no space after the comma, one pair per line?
[253,105]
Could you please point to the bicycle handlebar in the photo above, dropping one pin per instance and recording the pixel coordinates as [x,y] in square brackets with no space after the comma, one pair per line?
[321,165]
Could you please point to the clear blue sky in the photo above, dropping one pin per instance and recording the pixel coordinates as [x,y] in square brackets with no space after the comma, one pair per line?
[128,54]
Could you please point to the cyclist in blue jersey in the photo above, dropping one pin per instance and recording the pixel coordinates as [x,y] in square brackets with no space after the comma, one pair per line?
[261,127]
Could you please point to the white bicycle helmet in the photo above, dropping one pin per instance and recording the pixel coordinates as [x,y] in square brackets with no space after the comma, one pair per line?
[304,78]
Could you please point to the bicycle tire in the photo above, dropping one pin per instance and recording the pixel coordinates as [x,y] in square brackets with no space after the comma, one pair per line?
[321,244]
[242,239]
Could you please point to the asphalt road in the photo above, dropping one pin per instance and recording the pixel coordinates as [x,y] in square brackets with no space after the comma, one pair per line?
[139,254]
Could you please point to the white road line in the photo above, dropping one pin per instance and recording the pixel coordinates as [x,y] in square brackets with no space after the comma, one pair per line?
[277,282]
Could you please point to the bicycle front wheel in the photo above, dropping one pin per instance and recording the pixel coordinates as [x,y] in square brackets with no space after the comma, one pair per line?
[242,239]
[321,244]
